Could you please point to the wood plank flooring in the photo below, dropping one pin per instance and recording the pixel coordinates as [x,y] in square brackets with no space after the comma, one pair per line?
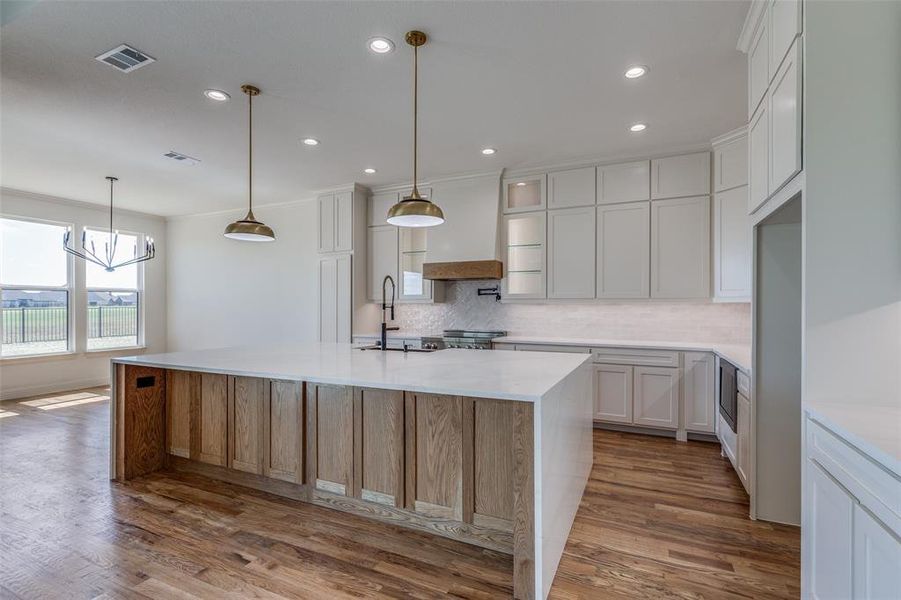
[659,519]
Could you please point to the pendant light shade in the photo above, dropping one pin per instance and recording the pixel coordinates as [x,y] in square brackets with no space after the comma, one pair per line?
[249,229]
[414,210]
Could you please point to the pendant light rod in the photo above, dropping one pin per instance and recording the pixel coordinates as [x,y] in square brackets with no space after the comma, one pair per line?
[251,91]
[415,192]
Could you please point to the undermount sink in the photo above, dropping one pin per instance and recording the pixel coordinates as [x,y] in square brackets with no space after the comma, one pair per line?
[379,348]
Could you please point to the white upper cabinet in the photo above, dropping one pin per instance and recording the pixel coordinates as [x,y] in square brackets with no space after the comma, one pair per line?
[413,250]
[525,193]
[732,245]
[336,222]
[381,257]
[626,182]
[697,392]
[758,158]
[785,120]
[785,25]
[679,176]
[759,66]
[624,250]
[379,205]
[525,238]
[573,187]
[680,248]
[571,268]
[730,165]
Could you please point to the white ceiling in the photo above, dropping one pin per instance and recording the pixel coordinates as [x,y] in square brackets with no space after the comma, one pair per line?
[540,81]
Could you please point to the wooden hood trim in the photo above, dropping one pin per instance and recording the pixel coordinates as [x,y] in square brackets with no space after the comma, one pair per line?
[460,271]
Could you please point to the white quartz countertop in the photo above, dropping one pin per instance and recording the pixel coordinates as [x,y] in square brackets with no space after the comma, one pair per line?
[874,430]
[738,355]
[523,376]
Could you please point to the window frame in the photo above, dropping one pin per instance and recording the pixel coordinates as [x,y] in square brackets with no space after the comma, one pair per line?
[69,288]
[138,290]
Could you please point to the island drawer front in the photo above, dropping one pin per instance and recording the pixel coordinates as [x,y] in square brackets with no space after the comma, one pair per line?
[636,356]
[744,384]
[553,348]
[873,486]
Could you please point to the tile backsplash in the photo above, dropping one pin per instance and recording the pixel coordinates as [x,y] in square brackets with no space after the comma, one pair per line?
[725,323]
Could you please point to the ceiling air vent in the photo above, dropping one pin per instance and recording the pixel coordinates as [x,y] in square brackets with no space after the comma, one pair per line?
[125,58]
[182,158]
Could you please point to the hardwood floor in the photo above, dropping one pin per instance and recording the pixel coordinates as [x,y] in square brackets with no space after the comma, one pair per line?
[659,519]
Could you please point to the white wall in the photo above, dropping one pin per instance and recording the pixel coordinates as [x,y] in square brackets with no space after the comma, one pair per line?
[224,292]
[853,202]
[20,377]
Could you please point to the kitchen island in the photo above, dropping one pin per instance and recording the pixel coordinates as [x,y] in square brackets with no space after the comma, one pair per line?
[489,448]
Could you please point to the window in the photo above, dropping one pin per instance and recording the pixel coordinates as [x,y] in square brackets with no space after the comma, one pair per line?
[34,285]
[113,297]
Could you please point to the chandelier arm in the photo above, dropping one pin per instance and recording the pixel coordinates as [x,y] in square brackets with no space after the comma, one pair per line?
[87,257]
[137,259]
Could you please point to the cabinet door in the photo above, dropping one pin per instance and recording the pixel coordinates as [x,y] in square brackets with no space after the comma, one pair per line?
[247,407]
[213,419]
[571,252]
[434,455]
[330,433]
[344,222]
[326,214]
[574,187]
[730,165]
[743,427]
[493,461]
[732,244]
[525,237]
[877,558]
[758,158]
[524,194]
[829,536]
[344,298]
[759,66]
[284,428]
[785,120]
[697,392]
[613,393]
[381,258]
[785,24]
[656,398]
[335,299]
[379,446]
[678,176]
[624,250]
[627,182]
[182,388]
[411,256]
[379,205]
[680,248]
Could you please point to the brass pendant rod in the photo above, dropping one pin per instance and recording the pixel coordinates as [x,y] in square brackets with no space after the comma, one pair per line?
[250,155]
[415,192]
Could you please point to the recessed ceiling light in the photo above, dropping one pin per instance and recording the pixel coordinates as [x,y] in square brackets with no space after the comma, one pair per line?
[311,141]
[520,184]
[488,151]
[369,170]
[638,127]
[217,95]
[380,45]
[635,72]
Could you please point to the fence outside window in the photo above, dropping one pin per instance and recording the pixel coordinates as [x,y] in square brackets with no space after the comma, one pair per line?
[22,325]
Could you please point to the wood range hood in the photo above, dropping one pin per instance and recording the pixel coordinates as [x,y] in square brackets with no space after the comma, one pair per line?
[463,270]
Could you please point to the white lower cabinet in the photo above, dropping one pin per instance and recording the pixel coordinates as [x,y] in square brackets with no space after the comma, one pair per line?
[613,393]
[830,536]
[656,399]
[876,558]
[697,392]
[743,425]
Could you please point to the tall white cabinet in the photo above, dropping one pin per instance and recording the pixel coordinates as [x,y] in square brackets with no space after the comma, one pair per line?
[732,225]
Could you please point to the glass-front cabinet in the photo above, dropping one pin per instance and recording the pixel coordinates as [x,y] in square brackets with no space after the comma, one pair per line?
[411,255]
[525,241]
[522,194]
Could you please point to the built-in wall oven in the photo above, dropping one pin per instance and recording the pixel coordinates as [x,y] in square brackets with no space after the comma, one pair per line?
[728,393]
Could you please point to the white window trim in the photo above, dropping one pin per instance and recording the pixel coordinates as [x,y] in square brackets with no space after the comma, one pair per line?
[69,289]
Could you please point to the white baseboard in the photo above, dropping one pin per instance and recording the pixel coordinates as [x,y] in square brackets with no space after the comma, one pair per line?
[51,388]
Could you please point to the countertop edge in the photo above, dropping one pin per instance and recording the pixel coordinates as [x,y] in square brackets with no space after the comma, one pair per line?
[871,449]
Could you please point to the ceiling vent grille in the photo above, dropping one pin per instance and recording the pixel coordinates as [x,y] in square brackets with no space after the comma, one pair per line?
[182,158]
[125,58]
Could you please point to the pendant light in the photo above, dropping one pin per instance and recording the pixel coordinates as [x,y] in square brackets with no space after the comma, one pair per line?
[109,253]
[414,210]
[249,229]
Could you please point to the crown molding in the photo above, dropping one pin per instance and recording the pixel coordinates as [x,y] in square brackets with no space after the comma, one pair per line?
[730,136]
[752,21]
[5,191]
[406,185]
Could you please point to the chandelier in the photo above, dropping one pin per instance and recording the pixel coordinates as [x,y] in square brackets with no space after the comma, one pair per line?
[105,259]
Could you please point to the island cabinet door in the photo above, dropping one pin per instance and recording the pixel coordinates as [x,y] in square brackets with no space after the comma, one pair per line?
[330,438]
[182,396]
[493,462]
[283,432]
[210,425]
[246,410]
[379,446]
[434,455]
